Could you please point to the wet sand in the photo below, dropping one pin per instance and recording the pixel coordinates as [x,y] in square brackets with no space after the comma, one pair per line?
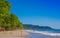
[39,35]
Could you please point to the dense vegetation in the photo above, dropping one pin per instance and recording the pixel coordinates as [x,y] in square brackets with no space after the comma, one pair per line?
[8,21]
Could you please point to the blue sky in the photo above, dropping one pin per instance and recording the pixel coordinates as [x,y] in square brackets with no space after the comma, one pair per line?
[37,12]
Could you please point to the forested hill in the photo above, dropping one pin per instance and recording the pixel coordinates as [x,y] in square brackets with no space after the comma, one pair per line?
[8,21]
[40,28]
[36,27]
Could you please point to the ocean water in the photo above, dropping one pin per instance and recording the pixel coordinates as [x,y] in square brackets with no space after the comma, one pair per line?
[51,30]
[37,35]
[46,32]
[43,34]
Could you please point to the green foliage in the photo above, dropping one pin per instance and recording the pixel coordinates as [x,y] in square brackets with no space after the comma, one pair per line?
[8,21]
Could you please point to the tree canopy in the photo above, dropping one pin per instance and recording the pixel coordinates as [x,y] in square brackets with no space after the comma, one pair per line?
[8,21]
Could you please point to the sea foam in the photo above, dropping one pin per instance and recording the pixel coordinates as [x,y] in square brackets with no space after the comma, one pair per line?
[43,32]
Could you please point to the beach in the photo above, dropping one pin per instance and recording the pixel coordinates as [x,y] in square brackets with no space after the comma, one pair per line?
[27,34]
[14,34]
[37,34]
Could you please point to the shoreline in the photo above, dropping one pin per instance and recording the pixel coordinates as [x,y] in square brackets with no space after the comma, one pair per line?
[45,33]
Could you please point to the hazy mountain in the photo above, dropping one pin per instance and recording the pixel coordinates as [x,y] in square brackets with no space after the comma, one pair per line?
[36,27]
